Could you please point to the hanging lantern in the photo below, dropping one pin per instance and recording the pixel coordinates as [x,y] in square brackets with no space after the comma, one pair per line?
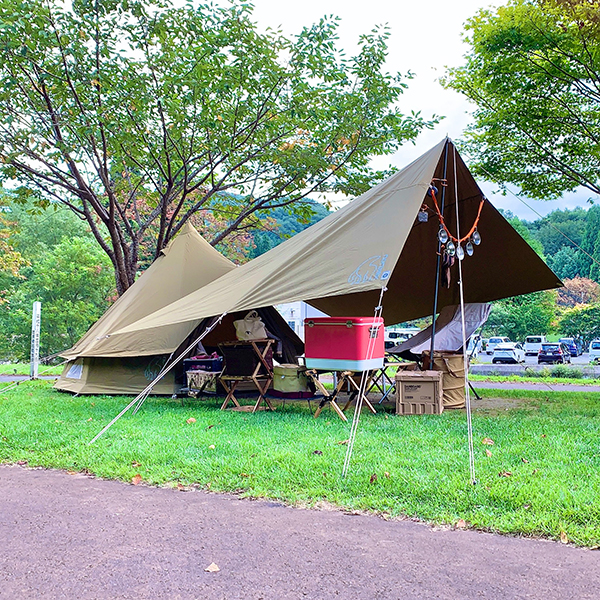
[460,253]
[476,238]
[443,235]
[450,248]
[469,248]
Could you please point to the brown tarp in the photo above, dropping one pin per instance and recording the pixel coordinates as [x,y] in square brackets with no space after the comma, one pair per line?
[340,264]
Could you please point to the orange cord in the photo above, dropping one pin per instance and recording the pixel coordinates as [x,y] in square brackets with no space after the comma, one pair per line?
[443,222]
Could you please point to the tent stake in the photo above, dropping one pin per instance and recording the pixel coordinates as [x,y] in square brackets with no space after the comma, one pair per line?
[438,262]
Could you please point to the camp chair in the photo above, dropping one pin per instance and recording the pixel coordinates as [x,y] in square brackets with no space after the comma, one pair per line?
[250,360]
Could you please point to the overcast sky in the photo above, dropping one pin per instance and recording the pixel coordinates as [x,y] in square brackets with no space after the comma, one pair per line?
[425,38]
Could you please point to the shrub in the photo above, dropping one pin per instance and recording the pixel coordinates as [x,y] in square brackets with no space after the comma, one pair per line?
[568,372]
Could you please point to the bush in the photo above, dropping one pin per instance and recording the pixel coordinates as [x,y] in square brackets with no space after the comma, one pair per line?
[529,372]
[567,372]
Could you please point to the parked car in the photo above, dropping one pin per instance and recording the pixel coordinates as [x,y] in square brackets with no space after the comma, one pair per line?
[508,352]
[554,352]
[533,344]
[594,350]
[573,344]
[493,342]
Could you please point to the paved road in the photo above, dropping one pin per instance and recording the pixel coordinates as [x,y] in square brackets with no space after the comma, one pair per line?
[584,359]
[72,536]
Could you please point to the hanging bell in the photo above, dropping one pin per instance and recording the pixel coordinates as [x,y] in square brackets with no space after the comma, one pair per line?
[460,253]
[450,248]
[469,248]
[443,235]
[476,238]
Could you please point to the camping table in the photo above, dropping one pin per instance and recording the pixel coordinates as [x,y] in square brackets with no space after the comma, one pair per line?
[247,361]
[345,378]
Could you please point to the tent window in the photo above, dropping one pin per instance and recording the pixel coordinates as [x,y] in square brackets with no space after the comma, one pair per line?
[75,371]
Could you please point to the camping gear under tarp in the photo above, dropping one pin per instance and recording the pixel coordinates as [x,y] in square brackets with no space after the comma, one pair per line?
[340,264]
[453,382]
[448,330]
[101,363]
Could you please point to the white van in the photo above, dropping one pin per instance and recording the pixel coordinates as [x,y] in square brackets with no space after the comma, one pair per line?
[533,344]
[493,342]
[594,350]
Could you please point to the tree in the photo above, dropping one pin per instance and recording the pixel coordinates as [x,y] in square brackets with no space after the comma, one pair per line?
[533,72]
[11,260]
[522,315]
[578,291]
[136,116]
[582,322]
[73,280]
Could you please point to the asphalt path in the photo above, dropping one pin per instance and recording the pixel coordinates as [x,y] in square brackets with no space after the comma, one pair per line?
[530,385]
[74,536]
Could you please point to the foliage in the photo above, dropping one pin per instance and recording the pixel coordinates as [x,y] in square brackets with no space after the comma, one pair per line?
[578,290]
[11,260]
[521,316]
[581,321]
[533,72]
[137,115]
[73,281]
[546,441]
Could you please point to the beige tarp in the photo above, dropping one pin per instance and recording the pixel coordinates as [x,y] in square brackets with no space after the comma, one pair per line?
[340,264]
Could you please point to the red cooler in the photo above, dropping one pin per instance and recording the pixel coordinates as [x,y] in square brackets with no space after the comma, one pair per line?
[344,343]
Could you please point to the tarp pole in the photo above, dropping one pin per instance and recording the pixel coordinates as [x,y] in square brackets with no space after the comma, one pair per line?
[464,340]
[438,262]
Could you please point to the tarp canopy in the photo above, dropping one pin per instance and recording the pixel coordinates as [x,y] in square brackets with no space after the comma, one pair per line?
[340,264]
[448,330]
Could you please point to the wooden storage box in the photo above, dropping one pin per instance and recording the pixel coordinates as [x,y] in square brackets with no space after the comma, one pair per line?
[419,393]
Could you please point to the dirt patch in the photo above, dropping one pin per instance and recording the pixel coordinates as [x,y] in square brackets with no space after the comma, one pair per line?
[495,406]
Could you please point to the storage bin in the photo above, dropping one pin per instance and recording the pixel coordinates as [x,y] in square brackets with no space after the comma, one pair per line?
[453,383]
[290,378]
[419,393]
[203,364]
[344,343]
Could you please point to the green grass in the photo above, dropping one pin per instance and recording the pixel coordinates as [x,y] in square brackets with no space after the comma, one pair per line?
[528,379]
[547,441]
[23,369]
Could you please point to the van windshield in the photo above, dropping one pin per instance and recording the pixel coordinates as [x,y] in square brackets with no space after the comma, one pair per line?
[595,345]
[566,340]
[533,340]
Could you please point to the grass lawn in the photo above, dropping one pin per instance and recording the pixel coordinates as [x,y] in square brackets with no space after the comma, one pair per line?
[23,369]
[541,476]
[528,379]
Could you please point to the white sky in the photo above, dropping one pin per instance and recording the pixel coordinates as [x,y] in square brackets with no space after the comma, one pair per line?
[425,38]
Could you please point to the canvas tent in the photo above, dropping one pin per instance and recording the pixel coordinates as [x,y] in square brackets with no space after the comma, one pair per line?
[102,364]
[449,334]
[340,264]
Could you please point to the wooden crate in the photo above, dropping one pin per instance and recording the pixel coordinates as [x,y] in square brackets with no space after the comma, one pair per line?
[419,393]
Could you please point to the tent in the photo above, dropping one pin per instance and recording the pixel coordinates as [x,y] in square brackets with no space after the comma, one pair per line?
[101,363]
[448,331]
[340,264]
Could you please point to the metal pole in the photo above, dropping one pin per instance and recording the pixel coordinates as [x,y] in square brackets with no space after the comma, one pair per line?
[438,263]
[36,321]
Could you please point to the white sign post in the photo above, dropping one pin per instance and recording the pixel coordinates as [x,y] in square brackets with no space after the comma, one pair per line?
[36,322]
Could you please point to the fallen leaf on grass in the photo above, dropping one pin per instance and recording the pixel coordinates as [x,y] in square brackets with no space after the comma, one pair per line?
[191,420]
[527,506]
[136,479]
[90,419]
[488,452]
[244,475]
[373,478]
[92,404]
[319,452]
[534,471]
[564,538]
[487,441]
[212,568]
[21,462]
[505,474]
[209,427]
[343,442]
[135,463]
[180,487]
[211,447]
[386,474]
[71,472]
[543,435]
[461,524]
[524,460]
